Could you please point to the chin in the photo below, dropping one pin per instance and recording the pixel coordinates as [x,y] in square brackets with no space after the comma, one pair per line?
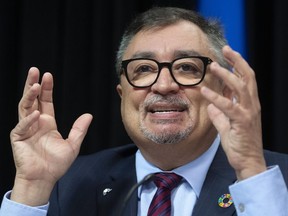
[166,135]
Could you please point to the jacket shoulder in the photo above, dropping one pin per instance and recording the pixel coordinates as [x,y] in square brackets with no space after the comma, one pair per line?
[275,158]
[80,190]
[105,158]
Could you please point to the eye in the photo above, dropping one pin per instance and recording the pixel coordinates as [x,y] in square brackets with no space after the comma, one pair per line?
[144,66]
[144,69]
[139,69]
[188,68]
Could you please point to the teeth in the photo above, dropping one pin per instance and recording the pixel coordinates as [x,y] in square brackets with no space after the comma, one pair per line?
[165,111]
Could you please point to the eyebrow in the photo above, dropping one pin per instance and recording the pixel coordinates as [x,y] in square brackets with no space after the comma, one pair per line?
[184,53]
[176,54]
[144,55]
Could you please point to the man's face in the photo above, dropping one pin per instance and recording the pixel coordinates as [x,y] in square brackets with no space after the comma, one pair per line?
[167,113]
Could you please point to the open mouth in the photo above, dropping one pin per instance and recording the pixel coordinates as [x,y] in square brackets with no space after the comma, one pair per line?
[169,106]
[165,110]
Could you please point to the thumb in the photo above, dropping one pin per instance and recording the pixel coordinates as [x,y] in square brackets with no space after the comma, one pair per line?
[79,130]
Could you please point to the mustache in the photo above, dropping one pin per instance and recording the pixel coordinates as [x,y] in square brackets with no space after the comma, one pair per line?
[168,99]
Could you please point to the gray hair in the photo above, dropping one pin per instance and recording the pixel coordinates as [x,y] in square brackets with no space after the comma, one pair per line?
[159,17]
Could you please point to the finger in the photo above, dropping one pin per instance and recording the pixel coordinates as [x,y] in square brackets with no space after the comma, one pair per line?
[46,95]
[21,131]
[218,118]
[32,78]
[237,86]
[79,130]
[242,69]
[226,106]
[28,102]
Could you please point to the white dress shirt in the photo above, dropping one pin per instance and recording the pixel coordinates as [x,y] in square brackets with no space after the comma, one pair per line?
[185,195]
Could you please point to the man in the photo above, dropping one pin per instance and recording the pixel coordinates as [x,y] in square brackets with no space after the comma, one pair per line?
[179,98]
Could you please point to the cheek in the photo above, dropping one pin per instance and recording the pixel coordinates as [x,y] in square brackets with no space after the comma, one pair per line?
[130,103]
[130,111]
[198,109]
[203,114]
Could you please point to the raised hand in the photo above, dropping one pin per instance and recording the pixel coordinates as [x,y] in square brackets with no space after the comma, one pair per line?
[237,116]
[41,154]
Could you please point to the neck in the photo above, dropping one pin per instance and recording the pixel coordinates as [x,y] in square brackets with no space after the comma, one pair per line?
[171,156]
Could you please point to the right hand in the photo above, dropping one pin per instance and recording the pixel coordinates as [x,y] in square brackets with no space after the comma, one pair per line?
[41,154]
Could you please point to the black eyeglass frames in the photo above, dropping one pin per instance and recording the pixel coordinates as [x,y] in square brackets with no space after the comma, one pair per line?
[186,71]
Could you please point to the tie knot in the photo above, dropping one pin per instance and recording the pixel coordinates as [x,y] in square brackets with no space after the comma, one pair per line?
[167,180]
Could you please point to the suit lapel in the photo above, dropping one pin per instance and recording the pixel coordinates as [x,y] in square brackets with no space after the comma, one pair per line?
[112,194]
[220,175]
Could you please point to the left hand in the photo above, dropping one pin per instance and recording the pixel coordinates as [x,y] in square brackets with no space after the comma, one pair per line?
[238,122]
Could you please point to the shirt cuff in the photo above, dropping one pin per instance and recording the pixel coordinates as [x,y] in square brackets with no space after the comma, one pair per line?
[263,194]
[11,208]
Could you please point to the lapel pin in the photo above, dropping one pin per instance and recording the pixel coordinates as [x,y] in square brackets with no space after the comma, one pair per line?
[106,190]
[225,201]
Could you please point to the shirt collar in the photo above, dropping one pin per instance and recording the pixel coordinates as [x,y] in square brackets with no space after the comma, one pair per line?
[194,172]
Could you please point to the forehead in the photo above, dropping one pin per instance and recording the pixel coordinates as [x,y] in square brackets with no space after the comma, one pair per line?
[167,42]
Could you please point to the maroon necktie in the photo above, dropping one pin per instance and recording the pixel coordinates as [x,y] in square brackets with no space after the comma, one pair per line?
[161,202]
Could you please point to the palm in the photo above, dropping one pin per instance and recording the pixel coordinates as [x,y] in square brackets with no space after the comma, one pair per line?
[40,152]
[45,150]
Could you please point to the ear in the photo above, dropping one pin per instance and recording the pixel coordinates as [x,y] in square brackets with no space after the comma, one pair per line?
[119,90]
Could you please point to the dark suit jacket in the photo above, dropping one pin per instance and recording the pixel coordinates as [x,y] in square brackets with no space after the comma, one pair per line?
[82,190]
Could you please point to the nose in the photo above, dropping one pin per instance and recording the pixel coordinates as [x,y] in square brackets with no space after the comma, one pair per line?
[165,84]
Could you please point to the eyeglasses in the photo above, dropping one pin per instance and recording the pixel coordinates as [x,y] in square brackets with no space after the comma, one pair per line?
[185,71]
